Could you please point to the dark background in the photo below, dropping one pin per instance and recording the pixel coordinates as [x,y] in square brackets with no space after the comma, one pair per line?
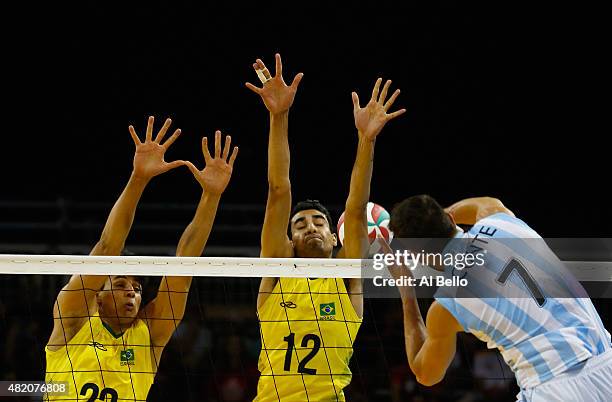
[494,93]
[499,99]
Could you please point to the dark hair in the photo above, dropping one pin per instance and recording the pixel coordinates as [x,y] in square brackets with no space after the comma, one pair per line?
[311,204]
[420,216]
[143,280]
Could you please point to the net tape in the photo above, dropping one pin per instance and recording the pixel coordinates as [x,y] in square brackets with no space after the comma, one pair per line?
[600,271]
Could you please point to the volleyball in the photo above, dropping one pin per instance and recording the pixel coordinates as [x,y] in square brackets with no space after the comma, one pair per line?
[378,223]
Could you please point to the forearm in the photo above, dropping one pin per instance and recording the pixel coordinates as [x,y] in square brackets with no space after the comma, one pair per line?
[361,176]
[77,297]
[278,152]
[415,332]
[120,219]
[166,311]
[168,308]
[355,224]
[274,241]
[191,244]
[174,290]
[429,347]
[196,234]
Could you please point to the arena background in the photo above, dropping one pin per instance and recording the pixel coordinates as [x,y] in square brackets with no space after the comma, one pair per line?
[494,104]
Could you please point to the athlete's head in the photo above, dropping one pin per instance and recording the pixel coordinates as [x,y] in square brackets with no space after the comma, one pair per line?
[120,299]
[421,217]
[311,230]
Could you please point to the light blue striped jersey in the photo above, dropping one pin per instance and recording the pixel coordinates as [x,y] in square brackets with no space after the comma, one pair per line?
[507,301]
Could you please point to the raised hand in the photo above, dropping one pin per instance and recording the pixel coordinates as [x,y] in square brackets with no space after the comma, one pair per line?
[371,119]
[217,171]
[276,95]
[149,157]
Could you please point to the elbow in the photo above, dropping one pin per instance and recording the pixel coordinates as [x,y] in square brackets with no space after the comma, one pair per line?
[279,187]
[492,201]
[355,219]
[355,209]
[106,247]
[427,380]
[491,205]
[427,376]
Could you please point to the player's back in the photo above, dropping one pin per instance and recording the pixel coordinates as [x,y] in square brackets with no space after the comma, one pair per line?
[523,301]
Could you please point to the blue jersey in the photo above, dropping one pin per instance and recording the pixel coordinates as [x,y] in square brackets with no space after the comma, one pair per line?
[507,301]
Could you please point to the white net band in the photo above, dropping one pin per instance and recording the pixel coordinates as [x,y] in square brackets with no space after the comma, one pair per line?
[600,271]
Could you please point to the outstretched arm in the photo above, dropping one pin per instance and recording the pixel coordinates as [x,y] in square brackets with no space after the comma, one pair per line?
[148,163]
[431,346]
[278,98]
[369,121]
[77,298]
[166,311]
[471,210]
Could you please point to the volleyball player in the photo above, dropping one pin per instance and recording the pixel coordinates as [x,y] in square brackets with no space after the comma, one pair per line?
[557,347]
[308,325]
[103,344]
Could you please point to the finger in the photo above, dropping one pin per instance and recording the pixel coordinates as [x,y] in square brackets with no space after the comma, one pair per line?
[395,114]
[172,138]
[172,165]
[383,94]
[192,167]
[279,66]
[134,135]
[264,69]
[233,156]
[355,100]
[207,156]
[375,90]
[226,147]
[266,74]
[392,99]
[296,80]
[253,88]
[217,144]
[149,134]
[386,247]
[260,64]
[164,129]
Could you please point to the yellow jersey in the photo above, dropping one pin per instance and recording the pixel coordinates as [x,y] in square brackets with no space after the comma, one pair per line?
[307,327]
[97,365]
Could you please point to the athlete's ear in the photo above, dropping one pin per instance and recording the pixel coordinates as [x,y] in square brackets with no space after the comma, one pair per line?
[335,239]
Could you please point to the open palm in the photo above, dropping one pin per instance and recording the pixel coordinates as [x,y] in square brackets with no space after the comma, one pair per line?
[371,119]
[275,93]
[217,171]
[149,156]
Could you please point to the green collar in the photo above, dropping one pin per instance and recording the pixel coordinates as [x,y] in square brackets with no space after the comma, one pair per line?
[109,329]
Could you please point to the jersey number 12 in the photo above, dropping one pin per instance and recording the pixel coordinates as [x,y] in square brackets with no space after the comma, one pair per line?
[290,339]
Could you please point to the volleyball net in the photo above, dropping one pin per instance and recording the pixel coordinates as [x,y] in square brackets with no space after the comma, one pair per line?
[221,349]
